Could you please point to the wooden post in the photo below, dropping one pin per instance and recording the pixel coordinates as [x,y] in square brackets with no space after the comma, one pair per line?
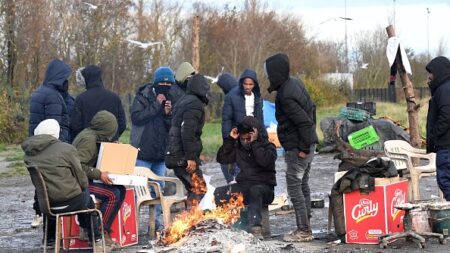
[411,105]
[196,43]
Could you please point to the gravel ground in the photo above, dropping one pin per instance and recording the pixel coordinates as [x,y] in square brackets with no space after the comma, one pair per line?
[16,235]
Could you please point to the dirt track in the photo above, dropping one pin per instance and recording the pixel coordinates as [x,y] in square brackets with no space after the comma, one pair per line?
[16,235]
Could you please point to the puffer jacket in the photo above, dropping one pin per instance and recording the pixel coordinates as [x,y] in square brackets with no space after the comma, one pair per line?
[150,125]
[438,117]
[234,106]
[188,118]
[295,111]
[103,128]
[93,100]
[59,164]
[47,103]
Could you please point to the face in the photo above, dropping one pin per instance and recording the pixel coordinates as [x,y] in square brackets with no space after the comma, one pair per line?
[245,137]
[430,77]
[248,86]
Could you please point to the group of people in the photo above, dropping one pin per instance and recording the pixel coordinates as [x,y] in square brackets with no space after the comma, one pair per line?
[167,116]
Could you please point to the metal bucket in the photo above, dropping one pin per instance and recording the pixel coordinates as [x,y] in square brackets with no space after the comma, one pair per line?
[440,220]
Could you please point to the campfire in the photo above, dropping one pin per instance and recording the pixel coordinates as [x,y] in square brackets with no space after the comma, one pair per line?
[226,214]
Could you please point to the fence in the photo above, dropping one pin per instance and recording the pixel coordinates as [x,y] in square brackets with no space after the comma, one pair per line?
[382,95]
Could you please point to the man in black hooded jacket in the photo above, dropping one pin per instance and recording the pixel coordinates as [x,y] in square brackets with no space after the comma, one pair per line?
[96,98]
[184,144]
[438,120]
[295,113]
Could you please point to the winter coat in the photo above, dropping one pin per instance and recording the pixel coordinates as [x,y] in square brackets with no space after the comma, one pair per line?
[59,164]
[257,165]
[103,128]
[93,100]
[295,111]
[150,125]
[70,105]
[175,93]
[438,118]
[234,106]
[47,103]
[226,82]
[188,118]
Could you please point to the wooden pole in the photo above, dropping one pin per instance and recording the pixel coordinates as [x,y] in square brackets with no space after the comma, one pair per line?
[411,105]
[196,43]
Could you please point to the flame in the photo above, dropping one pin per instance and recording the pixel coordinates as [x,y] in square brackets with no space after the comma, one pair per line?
[199,185]
[228,213]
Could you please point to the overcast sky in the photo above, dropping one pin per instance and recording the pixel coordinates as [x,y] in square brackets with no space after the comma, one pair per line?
[322,19]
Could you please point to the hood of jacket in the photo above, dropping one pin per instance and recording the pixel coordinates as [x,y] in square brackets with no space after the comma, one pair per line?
[92,76]
[57,73]
[440,68]
[34,145]
[277,69]
[184,70]
[227,82]
[248,73]
[199,87]
[104,124]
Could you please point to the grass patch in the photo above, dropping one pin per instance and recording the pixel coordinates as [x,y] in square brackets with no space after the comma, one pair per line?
[125,137]
[15,169]
[2,147]
[212,138]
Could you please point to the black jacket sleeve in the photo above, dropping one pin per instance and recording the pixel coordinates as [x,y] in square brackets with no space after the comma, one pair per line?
[227,152]
[265,153]
[121,120]
[442,125]
[191,119]
[76,120]
[142,112]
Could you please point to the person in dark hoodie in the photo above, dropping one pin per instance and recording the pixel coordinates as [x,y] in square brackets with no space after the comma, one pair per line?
[184,144]
[151,113]
[227,82]
[103,128]
[256,180]
[47,102]
[93,100]
[70,104]
[67,184]
[438,120]
[184,72]
[295,113]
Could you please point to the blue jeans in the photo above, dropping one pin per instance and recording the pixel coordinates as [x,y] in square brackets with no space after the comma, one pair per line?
[230,171]
[443,172]
[159,168]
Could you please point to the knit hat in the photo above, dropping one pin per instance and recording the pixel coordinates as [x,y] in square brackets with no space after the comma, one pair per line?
[48,126]
[164,74]
[184,70]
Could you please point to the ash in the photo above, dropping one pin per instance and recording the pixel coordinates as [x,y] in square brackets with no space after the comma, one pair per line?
[212,236]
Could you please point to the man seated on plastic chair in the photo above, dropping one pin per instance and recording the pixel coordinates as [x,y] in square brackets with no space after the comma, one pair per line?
[255,156]
[67,184]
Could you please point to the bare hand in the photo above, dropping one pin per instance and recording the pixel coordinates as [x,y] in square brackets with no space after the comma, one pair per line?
[191,166]
[254,135]
[302,154]
[104,177]
[160,98]
[168,107]
[234,133]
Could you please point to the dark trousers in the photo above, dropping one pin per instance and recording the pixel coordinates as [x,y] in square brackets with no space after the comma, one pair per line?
[255,197]
[193,193]
[81,202]
[36,204]
[443,172]
[111,197]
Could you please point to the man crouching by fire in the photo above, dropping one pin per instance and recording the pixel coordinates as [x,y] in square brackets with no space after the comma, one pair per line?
[255,156]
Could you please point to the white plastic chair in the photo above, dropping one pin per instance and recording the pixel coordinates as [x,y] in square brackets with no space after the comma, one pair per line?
[403,155]
[143,197]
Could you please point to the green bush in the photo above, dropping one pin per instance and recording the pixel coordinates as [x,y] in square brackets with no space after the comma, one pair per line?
[12,122]
[323,93]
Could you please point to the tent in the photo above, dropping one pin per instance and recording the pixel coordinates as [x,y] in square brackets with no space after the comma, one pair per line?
[269,113]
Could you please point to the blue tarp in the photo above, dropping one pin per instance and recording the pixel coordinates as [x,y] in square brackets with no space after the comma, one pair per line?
[269,113]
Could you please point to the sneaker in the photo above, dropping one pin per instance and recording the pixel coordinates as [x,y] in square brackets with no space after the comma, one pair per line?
[299,236]
[98,246]
[37,221]
[109,242]
[256,231]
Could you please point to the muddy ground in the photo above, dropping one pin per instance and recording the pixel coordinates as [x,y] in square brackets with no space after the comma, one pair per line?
[16,235]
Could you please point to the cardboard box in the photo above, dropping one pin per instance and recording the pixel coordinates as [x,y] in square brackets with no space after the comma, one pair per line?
[117,158]
[369,216]
[126,180]
[123,229]
[273,137]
